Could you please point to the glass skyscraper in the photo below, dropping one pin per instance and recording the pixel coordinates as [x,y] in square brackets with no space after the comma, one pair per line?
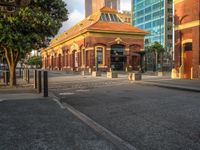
[154,16]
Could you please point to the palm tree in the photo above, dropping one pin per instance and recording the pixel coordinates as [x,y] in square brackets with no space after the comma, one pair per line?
[157,50]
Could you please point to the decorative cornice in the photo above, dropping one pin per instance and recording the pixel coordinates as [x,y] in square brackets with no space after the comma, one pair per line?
[187,25]
[178,1]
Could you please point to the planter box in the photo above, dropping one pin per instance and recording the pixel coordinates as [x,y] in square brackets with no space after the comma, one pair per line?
[112,75]
[96,74]
[160,74]
[135,76]
[84,73]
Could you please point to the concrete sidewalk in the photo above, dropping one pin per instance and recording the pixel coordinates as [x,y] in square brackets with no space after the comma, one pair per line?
[29,121]
[179,84]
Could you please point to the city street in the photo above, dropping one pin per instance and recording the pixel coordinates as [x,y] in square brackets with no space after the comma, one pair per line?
[99,75]
[147,117]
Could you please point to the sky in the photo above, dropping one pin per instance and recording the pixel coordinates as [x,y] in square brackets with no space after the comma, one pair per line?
[76,10]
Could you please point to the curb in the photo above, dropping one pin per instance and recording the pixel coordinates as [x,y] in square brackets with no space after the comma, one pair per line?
[182,88]
[114,139]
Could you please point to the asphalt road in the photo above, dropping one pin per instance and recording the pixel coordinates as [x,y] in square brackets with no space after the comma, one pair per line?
[150,118]
[43,125]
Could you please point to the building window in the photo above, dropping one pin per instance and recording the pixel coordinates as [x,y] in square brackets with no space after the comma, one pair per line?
[187,46]
[109,17]
[99,55]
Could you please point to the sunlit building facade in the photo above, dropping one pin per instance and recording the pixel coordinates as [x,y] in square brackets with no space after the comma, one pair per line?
[102,40]
[187,39]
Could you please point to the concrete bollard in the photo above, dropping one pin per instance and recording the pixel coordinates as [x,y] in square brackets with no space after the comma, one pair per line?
[24,74]
[96,74]
[135,76]
[39,82]
[35,79]
[112,74]
[45,84]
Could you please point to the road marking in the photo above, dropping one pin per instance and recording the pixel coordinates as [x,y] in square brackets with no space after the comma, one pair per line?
[117,141]
[82,90]
[65,94]
[1,100]
[58,102]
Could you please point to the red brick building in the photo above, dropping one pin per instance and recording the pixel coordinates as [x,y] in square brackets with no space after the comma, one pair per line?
[187,39]
[100,38]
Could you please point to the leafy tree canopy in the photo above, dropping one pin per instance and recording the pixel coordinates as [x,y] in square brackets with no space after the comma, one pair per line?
[29,27]
[155,47]
[35,60]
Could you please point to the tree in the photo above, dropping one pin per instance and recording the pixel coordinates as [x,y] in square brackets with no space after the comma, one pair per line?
[28,29]
[35,61]
[157,50]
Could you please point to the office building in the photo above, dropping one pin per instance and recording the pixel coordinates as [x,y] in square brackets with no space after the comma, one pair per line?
[92,6]
[154,16]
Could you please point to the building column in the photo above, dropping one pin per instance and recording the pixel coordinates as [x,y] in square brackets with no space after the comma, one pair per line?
[107,57]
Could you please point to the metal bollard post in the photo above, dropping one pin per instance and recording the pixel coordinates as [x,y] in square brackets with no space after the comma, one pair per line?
[6,77]
[39,82]
[20,72]
[35,79]
[28,76]
[45,84]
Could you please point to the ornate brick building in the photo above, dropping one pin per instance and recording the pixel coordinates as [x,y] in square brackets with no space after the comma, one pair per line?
[187,39]
[102,39]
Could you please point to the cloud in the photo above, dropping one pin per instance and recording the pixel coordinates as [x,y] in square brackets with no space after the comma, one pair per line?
[125,5]
[76,13]
[74,18]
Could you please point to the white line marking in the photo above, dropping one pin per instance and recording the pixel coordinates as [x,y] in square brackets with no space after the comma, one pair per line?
[1,100]
[82,90]
[67,93]
[58,102]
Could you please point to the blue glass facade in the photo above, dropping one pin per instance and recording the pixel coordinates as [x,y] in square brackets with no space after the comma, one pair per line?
[154,17]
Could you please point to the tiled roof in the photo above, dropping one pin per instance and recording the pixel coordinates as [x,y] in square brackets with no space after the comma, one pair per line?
[118,27]
[93,22]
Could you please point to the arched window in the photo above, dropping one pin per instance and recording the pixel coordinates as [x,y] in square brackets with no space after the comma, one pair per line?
[99,52]
[117,49]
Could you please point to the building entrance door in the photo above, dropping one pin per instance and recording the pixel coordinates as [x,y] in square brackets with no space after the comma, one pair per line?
[135,62]
[187,60]
[117,57]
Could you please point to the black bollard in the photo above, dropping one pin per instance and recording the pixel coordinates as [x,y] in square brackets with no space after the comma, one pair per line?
[39,82]
[6,77]
[3,76]
[45,84]
[35,79]
[20,72]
